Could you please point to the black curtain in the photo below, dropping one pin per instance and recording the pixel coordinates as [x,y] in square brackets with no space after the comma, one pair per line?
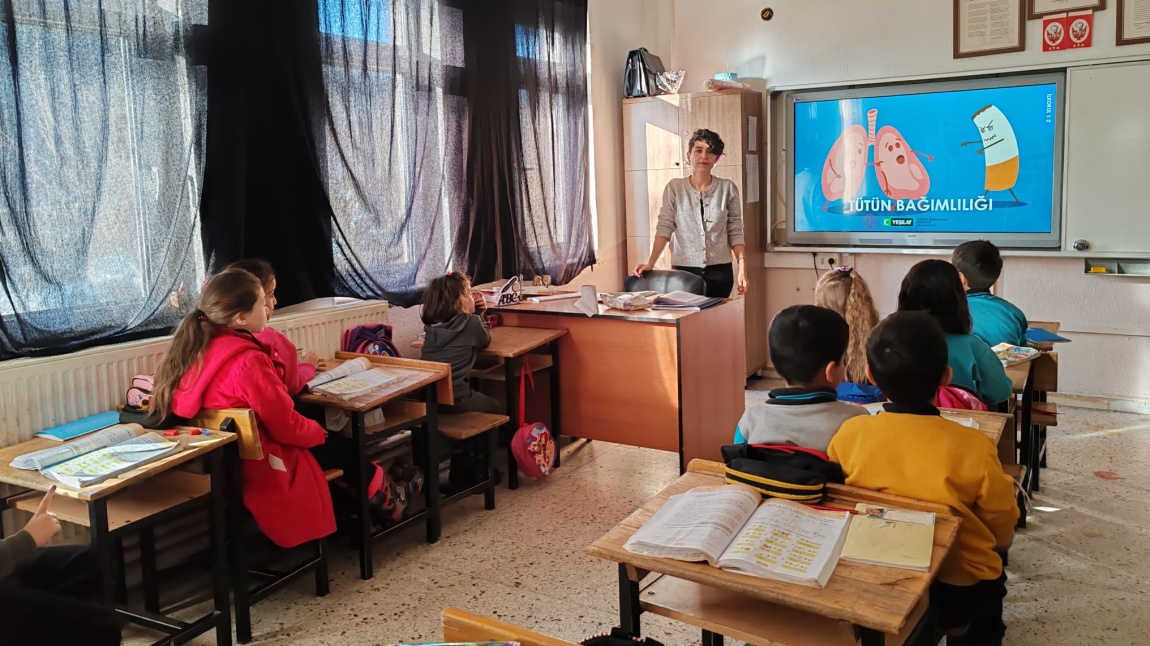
[526,85]
[263,194]
[101,150]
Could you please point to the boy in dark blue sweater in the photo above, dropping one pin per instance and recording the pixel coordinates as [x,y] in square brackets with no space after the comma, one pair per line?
[996,320]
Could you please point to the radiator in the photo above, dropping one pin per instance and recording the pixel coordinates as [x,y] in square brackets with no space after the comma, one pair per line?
[43,392]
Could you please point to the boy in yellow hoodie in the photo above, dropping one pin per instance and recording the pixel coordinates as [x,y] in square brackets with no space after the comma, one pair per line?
[910,450]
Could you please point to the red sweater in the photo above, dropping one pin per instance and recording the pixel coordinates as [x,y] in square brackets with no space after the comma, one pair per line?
[283,351]
[286,491]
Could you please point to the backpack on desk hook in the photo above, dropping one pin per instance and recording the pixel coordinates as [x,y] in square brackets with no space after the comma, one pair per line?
[532,445]
[369,339]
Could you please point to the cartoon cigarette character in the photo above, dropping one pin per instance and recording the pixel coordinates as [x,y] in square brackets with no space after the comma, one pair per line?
[999,148]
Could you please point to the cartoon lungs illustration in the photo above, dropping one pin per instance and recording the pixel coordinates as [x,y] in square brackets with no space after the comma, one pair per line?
[999,149]
[900,173]
[845,166]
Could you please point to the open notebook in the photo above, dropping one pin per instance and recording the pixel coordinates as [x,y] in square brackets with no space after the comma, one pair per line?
[352,378]
[731,527]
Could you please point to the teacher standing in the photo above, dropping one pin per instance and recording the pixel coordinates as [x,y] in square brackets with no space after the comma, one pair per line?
[702,218]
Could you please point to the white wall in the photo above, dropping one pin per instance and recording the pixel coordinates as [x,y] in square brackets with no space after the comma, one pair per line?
[826,42]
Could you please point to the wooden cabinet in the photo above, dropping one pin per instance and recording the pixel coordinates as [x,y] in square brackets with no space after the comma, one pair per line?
[655,135]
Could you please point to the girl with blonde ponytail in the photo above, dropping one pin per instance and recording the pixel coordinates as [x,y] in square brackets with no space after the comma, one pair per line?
[845,292]
[215,361]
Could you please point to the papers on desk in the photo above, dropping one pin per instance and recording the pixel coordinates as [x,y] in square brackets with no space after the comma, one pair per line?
[890,537]
[960,419]
[57,454]
[730,527]
[1011,355]
[110,461]
[684,302]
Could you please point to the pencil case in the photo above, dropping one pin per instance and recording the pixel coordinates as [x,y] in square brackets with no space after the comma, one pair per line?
[777,471]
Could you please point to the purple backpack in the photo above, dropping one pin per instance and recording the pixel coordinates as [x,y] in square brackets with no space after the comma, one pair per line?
[369,339]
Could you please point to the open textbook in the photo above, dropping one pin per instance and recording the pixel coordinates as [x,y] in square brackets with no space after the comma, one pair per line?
[39,460]
[110,461]
[351,378]
[730,527]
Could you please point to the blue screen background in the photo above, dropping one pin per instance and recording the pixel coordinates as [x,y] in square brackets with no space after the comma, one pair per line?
[933,124]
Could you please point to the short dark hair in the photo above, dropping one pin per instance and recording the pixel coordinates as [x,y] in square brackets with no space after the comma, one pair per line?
[804,339]
[907,357]
[933,286]
[441,298]
[979,261]
[261,269]
[709,137]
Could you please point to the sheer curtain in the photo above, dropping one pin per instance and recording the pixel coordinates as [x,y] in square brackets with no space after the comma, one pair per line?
[394,138]
[527,157]
[102,129]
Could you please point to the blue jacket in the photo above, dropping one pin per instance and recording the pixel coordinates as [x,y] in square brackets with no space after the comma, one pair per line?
[977,368]
[996,320]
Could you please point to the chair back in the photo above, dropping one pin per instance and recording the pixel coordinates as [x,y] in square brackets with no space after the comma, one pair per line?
[665,281]
[245,427]
[459,626]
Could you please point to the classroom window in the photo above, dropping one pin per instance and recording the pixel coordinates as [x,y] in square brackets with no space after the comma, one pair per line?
[102,116]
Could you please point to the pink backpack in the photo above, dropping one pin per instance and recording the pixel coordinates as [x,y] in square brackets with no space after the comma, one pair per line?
[533,445]
[956,397]
[139,394]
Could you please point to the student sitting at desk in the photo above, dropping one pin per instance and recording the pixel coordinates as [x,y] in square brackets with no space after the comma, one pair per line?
[996,320]
[47,593]
[933,286]
[911,450]
[807,345]
[297,371]
[215,361]
[454,334]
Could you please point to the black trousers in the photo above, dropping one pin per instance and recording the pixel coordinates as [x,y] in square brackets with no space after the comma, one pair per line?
[978,606]
[50,600]
[720,279]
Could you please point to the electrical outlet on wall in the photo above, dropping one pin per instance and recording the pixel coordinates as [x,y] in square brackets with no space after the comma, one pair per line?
[832,260]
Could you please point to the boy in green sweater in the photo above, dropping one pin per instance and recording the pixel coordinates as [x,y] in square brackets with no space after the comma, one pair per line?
[996,320]
[46,592]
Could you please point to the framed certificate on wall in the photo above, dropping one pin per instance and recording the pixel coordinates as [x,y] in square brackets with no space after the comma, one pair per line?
[1039,8]
[983,27]
[1133,22]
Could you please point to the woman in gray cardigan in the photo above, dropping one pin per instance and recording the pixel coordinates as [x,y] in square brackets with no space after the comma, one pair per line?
[702,218]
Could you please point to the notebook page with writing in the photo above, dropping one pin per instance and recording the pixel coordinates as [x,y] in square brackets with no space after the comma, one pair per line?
[344,369]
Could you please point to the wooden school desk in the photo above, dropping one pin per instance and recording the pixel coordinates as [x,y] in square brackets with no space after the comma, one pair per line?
[882,605]
[1022,377]
[433,381]
[663,380]
[118,506]
[512,344]
[994,426]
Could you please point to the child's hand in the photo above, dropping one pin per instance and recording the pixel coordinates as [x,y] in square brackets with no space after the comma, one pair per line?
[311,358]
[43,525]
[480,304]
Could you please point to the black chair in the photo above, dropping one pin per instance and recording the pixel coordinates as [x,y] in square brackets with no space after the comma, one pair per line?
[665,281]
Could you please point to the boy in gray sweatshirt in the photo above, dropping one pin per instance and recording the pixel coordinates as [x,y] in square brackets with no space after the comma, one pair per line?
[807,346]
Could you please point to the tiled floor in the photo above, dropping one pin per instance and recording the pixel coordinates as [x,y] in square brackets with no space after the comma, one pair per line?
[1078,573]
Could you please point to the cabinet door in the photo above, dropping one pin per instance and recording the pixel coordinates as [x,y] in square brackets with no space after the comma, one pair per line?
[651,134]
[721,113]
[644,198]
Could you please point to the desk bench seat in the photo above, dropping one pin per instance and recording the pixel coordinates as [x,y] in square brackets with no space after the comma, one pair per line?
[464,426]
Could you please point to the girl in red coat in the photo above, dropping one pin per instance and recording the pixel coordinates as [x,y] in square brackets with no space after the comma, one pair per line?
[215,361]
[297,371]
